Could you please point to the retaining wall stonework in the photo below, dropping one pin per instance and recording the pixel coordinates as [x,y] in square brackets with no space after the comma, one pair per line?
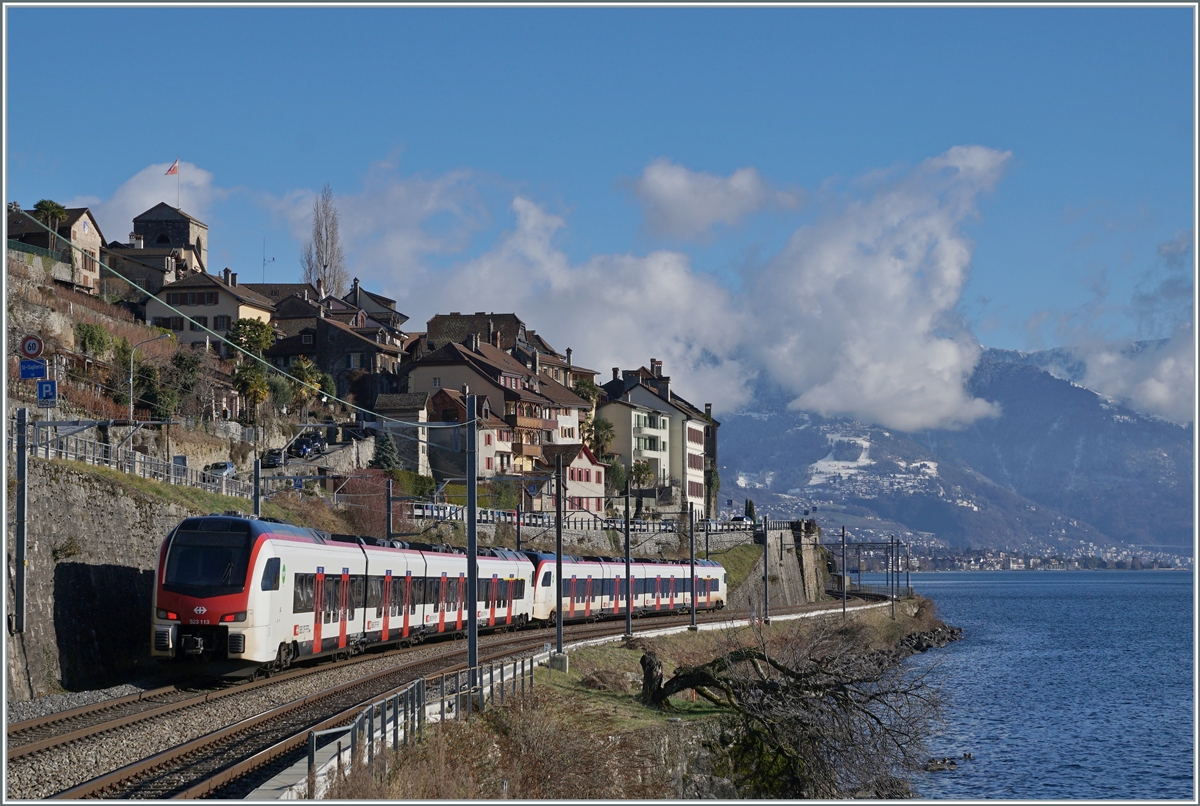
[92,547]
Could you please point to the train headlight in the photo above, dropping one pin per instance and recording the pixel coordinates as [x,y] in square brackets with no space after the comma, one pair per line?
[230,617]
[166,614]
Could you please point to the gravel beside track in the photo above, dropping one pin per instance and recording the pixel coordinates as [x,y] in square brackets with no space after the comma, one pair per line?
[52,771]
[56,703]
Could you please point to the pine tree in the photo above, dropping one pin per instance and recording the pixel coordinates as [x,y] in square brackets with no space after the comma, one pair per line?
[750,516]
[386,456]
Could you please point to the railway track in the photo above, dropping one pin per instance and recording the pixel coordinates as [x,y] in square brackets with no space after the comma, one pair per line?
[233,760]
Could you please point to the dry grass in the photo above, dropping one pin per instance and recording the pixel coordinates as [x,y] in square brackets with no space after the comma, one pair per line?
[546,745]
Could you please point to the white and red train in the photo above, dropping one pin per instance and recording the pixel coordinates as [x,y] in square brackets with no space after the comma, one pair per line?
[241,595]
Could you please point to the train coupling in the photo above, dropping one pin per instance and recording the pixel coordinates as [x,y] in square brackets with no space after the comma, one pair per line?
[192,644]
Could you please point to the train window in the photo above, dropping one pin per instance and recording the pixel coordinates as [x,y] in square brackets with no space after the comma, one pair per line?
[520,589]
[270,577]
[302,594]
[375,594]
[716,585]
[546,580]
[452,597]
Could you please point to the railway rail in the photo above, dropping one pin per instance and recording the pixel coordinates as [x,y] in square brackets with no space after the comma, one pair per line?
[233,760]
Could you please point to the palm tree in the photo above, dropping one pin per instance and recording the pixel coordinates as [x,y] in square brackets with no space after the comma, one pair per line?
[600,435]
[249,382]
[305,372]
[51,213]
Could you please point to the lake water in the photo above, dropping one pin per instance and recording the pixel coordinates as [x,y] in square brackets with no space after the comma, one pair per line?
[1066,685]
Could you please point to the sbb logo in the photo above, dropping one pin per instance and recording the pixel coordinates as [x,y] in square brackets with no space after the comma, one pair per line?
[201,610]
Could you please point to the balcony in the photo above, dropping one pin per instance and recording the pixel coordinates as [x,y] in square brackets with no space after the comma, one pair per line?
[639,453]
[521,449]
[647,429]
[534,423]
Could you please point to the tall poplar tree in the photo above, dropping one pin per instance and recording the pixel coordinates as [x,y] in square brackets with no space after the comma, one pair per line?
[322,256]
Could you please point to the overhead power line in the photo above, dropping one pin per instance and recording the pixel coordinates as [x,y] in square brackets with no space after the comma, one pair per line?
[199,326]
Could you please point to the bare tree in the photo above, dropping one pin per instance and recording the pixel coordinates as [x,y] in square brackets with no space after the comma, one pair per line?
[820,716]
[322,257]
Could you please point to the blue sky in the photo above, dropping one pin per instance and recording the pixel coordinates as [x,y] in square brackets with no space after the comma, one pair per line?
[490,158]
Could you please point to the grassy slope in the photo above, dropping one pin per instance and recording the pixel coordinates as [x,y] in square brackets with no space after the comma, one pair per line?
[300,512]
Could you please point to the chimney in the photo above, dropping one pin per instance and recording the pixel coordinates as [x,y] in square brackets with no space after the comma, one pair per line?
[320,289]
[305,294]
[616,373]
[708,410]
[568,356]
[136,241]
[225,275]
[321,311]
[655,367]
[233,279]
[355,290]
[496,339]
[537,364]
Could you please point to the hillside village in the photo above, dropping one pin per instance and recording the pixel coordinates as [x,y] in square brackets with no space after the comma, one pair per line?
[149,316]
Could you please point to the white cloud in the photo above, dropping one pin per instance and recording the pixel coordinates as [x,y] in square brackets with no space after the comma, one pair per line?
[390,226]
[614,310]
[687,204]
[857,315]
[1160,377]
[148,187]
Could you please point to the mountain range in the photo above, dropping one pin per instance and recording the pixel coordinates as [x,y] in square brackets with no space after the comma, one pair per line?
[1060,468]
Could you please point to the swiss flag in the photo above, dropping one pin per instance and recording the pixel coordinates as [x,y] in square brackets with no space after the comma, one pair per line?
[174,169]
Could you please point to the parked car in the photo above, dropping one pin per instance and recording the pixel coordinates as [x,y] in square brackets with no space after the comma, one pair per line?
[317,439]
[301,448]
[274,458]
[221,469]
[667,526]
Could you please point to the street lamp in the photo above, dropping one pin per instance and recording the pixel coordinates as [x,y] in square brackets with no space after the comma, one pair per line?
[131,351]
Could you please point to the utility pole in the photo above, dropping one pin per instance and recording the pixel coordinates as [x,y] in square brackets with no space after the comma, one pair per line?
[844,570]
[17,623]
[558,516]
[628,579]
[472,597]
[520,494]
[257,487]
[891,569]
[387,532]
[766,580]
[692,560]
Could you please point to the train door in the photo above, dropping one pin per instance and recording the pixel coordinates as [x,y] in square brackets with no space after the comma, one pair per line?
[511,594]
[616,594]
[573,581]
[587,602]
[344,594]
[441,603]
[492,594]
[318,608]
[387,603]
[409,605]
[671,584]
[658,592]
[460,600]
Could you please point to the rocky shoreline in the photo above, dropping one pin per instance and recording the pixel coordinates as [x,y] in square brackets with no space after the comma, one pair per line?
[930,639]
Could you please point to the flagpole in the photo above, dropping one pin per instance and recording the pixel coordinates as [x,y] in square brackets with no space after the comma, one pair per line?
[177,184]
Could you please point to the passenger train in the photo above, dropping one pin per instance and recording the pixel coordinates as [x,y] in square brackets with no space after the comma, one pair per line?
[242,595]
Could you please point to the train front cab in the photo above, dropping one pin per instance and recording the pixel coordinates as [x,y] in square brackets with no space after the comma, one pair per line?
[202,603]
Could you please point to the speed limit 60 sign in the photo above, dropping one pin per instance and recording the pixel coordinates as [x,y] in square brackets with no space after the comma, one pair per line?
[31,346]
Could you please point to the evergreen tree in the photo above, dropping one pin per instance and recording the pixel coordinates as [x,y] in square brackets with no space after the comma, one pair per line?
[750,516]
[386,456]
